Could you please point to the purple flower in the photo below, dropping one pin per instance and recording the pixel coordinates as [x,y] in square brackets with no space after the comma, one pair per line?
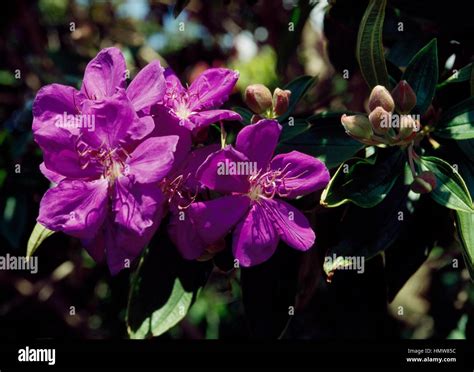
[254,184]
[107,174]
[107,73]
[195,107]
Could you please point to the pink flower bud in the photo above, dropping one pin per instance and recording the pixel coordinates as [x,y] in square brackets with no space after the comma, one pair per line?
[357,125]
[380,96]
[258,98]
[404,97]
[381,120]
[281,101]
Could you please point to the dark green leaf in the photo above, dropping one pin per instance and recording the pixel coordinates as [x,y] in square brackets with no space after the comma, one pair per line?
[467,147]
[422,75]
[451,190]
[465,225]
[464,74]
[458,121]
[321,135]
[298,87]
[369,49]
[364,182]
[366,232]
[245,113]
[162,290]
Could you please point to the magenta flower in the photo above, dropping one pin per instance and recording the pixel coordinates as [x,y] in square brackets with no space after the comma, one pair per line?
[195,107]
[254,185]
[107,174]
[107,73]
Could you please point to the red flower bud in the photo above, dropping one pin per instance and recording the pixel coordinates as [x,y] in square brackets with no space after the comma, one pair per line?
[424,183]
[404,97]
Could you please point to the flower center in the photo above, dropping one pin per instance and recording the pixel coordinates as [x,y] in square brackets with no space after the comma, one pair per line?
[112,161]
[182,110]
[272,183]
[176,191]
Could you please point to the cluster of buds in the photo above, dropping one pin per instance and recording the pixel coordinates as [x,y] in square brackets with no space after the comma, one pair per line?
[260,100]
[388,122]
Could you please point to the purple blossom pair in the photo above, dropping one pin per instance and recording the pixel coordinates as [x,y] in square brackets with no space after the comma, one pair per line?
[251,204]
[109,177]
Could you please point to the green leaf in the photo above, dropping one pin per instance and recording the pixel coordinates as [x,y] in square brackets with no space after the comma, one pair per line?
[245,113]
[464,74]
[422,75]
[451,190]
[369,49]
[364,182]
[298,88]
[322,136]
[39,234]
[465,225]
[457,122]
[162,290]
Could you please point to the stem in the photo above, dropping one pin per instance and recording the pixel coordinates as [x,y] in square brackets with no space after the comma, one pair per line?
[410,159]
[223,135]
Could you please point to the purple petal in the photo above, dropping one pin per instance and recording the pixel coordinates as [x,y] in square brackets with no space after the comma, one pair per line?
[255,239]
[115,122]
[215,218]
[292,226]
[173,84]
[75,207]
[104,74]
[96,246]
[184,234]
[213,173]
[135,205]
[192,163]
[212,88]
[53,107]
[50,175]
[152,159]
[258,141]
[303,174]
[148,87]
[51,103]
[167,125]
[204,118]
[124,246]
